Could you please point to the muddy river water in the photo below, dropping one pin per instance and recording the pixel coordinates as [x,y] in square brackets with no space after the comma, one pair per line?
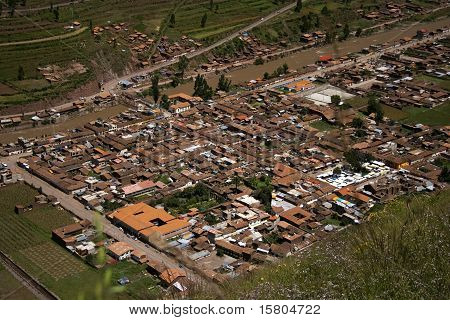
[303,58]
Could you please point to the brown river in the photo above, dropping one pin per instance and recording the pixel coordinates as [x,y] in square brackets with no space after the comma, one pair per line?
[303,58]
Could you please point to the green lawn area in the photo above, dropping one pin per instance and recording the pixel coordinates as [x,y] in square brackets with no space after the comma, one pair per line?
[322,125]
[358,102]
[26,238]
[199,197]
[11,288]
[438,116]
[393,113]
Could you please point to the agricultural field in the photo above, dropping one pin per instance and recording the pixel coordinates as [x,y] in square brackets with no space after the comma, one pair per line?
[11,288]
[324,15]
[27,240]
[223,17]
[54,43]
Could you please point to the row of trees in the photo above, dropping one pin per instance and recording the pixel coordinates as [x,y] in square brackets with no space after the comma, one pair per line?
[278,72]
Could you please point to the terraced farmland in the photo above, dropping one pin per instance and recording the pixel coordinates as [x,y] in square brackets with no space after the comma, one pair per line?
[26,238]
[102,60]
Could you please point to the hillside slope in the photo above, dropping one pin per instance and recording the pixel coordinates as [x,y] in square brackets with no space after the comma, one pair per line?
[403,252]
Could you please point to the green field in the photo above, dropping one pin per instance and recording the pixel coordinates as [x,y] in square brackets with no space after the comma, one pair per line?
[11,288]
[27,240]
[402,252]
[229,15]
[101,58]
[322,125]
[438,116]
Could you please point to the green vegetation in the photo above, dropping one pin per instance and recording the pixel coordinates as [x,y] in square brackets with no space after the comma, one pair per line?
[224,83]
[27,240]
[322,125]
[437,116]
[374,106]
[199,196]
[201,88]
[222,18]
[358,102]
[356,158]
[402,252]
[102,58]
[11,288]
[281,70]
[262,190]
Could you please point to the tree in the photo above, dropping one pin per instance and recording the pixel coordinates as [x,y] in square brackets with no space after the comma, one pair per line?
[12,6]
[298,6]
[444,176]
[155,88]
[356,158]
[373,105]
[330,35]
[379,115]
[20,73]
[172,20]
[345,32]
[211,4]
[263,193]
[202,89]
[236,180]
[56,13]
[259,61]
[357,123]
[325,11]
[285,68]
[182,65]
[91,26]
[266,76]
[358,32]
[224,83]
[175,82]
[165,103]
[335,99]
[203,22]
[337,171]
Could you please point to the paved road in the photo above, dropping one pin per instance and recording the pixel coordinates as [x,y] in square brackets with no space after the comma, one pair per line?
[111,85]
[74,206]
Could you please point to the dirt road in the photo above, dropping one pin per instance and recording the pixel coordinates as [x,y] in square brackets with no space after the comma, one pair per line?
[52,38]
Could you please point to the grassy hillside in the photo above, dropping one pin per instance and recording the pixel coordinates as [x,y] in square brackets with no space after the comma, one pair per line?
[403,252]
